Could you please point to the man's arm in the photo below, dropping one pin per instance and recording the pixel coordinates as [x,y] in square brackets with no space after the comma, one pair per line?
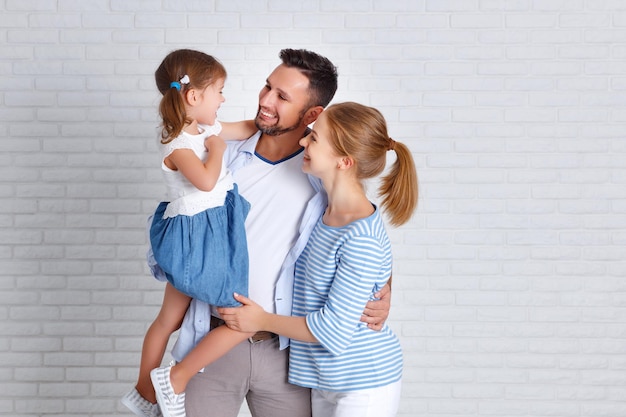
[238,130]
[376,312]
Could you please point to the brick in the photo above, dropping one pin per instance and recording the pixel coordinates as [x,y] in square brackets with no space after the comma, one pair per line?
[513,111]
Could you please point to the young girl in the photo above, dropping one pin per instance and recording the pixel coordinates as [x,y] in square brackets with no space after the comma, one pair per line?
[197,236]
[353,371]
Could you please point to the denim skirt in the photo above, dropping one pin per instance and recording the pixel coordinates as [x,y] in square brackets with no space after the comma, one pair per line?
[205,255]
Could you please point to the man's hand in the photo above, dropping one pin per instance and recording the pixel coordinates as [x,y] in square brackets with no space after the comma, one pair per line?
[377,312]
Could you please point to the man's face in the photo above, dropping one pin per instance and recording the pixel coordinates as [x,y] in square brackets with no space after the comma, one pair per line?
[283,101]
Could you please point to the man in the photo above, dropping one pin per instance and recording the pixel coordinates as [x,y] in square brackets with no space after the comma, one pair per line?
[285,206]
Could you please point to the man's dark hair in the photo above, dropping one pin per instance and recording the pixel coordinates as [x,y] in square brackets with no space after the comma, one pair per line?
[322,73]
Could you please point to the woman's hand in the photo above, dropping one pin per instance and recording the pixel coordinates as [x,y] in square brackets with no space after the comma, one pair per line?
[250,317]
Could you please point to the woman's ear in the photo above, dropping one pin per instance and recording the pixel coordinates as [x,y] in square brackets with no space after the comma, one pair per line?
[345,162]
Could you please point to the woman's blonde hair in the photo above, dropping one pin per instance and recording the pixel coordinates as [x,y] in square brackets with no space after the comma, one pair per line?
[360,132]
[181,70]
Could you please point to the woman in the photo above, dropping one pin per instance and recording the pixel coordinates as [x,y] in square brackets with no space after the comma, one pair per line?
[352,370]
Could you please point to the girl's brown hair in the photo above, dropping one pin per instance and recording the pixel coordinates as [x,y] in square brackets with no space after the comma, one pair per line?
[360,132]
[202,71]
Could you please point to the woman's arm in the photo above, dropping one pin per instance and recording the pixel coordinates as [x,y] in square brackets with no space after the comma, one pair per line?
[362,260]
[238,130]
[251,317]
[335,323]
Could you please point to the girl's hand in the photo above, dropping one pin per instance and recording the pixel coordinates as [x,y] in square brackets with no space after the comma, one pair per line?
[214,144]
[247,318]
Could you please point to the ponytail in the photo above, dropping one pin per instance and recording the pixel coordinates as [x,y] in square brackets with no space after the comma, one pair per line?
[399,189]
[173,115]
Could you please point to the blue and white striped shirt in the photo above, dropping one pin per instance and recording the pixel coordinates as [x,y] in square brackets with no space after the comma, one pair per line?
[336,275]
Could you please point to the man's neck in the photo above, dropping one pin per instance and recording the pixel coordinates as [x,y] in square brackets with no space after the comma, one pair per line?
[275,148]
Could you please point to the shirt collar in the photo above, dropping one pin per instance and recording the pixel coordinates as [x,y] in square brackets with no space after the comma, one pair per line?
[249,146]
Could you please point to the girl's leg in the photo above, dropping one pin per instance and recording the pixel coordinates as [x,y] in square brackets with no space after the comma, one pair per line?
[171,382]
[169,319]
[212,347]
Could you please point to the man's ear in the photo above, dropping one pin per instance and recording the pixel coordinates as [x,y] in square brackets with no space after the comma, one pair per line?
[312,114]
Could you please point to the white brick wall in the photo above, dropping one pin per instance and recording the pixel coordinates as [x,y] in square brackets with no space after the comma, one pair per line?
[510,282]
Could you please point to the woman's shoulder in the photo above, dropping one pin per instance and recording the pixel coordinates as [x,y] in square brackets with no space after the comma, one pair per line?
[370,230]
[368,224]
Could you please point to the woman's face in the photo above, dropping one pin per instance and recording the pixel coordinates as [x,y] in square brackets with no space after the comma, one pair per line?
[320,158]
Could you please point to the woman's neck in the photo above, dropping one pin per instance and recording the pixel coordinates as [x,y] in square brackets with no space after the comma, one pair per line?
[346,204]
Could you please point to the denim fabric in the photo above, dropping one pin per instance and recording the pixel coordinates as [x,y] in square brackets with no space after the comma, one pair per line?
[206,255]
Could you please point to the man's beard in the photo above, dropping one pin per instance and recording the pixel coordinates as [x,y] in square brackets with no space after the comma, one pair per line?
[277,130]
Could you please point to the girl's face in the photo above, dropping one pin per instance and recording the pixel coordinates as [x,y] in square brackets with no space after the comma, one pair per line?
[320,158]
[207,102]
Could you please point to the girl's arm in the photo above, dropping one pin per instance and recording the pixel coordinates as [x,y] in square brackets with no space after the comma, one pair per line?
[238,130]
[252,318]
[203,176]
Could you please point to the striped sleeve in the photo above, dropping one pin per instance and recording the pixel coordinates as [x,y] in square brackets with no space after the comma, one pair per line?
[359,266]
